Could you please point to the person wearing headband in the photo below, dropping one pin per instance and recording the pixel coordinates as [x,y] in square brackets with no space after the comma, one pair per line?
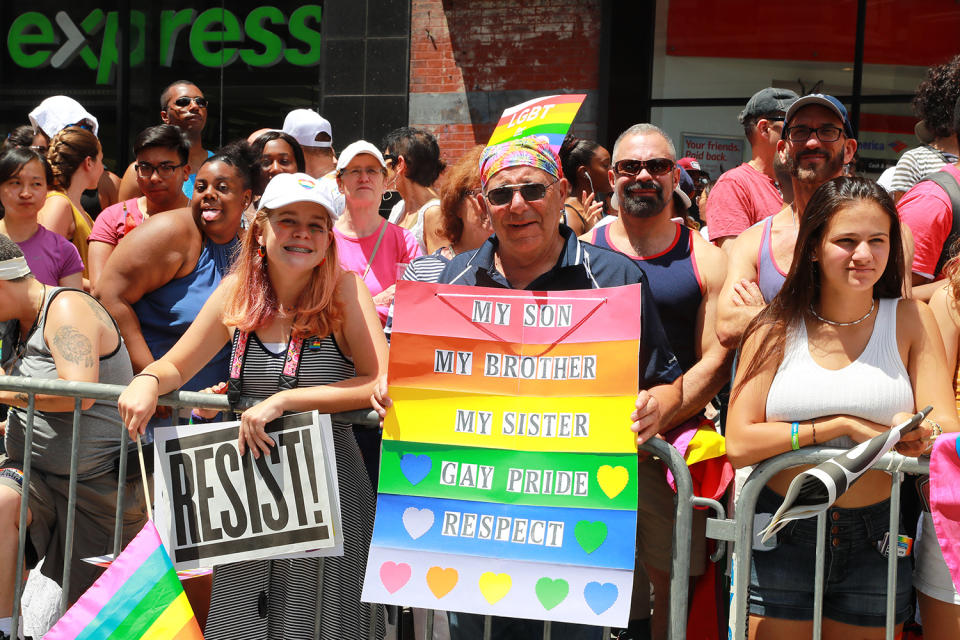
[55,333]
[522,192]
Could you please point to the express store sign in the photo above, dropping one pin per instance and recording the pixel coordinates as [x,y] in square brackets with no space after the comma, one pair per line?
[214,38]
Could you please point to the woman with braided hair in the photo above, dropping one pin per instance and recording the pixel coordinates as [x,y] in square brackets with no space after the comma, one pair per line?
[76,159]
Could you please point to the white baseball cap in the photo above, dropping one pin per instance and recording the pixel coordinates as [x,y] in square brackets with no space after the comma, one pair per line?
[305,125]
[287,188]
[59,112]
[356,148]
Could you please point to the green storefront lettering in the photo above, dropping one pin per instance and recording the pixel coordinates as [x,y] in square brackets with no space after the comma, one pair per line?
[215,38]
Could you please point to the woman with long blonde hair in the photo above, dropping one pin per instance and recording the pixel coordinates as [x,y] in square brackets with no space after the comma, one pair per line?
[287,296]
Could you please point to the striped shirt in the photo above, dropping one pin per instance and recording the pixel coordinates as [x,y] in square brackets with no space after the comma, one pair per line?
[916,164]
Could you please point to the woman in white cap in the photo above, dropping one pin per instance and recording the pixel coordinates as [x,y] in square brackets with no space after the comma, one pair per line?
[368,244]
[287,295]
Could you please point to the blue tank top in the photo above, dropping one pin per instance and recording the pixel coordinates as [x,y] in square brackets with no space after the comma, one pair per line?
[675,284]
[165,313]
[769,277]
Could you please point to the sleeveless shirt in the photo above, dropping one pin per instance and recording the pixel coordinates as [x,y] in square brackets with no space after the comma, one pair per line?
[874,387]
[165,313]
[676,287]
[769,276]
[83,225]
[100,425]
[293,587]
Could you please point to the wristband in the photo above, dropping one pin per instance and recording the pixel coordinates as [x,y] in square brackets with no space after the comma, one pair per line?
[152,375]
[196,418]
[795,436]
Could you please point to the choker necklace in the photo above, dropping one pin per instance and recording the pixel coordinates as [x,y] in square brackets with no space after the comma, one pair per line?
[873,304]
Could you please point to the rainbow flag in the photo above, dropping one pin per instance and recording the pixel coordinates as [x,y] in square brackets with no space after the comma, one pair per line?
[550,117]
[138,597]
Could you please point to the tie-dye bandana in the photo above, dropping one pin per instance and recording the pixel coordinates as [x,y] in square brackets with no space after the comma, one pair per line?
[531,151]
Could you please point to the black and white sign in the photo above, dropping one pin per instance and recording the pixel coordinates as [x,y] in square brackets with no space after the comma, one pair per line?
[214,506]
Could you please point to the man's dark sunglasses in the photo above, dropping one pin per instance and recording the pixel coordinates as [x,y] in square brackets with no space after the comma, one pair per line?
[184,101]
[801,133]
[530,192]
[654,166]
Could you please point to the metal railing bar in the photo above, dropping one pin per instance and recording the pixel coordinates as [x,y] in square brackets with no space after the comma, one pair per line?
[121,489]
[22,532]
[892,555]
[71,509]
[818,576]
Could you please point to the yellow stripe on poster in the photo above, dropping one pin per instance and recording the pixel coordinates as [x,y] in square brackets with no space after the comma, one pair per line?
[521,423]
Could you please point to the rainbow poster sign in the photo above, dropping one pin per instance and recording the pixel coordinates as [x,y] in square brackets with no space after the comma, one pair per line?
[549,117]
[508,472]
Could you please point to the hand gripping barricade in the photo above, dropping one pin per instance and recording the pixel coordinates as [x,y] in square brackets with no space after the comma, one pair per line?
[684,503]
[740,531]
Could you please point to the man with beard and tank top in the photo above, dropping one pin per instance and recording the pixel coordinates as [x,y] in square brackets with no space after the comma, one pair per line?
[817,142]
[685,274]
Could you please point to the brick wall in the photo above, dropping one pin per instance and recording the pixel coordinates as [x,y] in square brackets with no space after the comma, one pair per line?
[469,60]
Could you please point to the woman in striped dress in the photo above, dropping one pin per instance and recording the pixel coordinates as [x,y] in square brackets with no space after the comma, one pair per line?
[287,295]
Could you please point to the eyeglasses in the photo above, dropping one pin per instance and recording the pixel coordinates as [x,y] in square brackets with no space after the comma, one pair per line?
[530,192]
[390,157]
[164,169]
[654,166]
[801,133]
[184,101]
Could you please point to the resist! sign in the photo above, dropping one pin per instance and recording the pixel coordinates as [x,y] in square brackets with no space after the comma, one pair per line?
[223,507]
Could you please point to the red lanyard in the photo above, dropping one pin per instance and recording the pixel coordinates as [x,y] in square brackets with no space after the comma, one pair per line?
[288,376]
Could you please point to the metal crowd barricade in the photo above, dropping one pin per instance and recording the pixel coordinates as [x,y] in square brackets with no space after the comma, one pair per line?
[739,530]
[684,501]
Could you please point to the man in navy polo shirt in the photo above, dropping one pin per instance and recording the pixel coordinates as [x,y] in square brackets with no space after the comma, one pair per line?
[523,190]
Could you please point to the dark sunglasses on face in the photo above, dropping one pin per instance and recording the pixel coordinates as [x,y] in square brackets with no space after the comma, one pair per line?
[184,101]
[164,169]
[654,166]
[530,192]
[801,133]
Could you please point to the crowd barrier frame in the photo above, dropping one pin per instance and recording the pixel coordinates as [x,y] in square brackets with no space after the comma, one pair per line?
[684,500]
[739,531]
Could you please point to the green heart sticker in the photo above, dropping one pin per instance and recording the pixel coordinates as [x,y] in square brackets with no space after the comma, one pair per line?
[590,535]
[550,592]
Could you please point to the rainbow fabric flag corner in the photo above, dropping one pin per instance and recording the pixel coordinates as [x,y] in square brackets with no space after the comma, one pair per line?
[549,117]
[139,597]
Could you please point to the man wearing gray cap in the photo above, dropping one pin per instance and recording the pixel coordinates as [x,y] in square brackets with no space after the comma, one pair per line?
[749,193]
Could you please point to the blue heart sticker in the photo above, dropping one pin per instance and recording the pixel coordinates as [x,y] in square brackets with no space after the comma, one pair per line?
[600,597]
[415,467]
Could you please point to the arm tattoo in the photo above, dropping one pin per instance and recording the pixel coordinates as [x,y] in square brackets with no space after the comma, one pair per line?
[22,397]
[99,311]
[74,346]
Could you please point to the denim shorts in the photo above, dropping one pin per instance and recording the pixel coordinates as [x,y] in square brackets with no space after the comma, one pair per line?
[855,575]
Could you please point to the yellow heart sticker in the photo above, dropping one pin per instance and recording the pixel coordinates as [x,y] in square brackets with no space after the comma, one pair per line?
[612,479]
[441,581]
[494,586]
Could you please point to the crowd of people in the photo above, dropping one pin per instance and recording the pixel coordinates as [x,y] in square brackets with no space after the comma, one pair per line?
[200,269]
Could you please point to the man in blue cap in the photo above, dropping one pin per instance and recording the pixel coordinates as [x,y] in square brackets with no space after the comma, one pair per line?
[817,141]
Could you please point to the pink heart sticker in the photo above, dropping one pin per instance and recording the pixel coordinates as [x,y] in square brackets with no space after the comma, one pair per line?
[394,575]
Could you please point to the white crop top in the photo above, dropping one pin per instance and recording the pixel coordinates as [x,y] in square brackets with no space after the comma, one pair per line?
[875,386]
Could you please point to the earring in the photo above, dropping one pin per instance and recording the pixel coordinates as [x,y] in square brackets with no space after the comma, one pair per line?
[262,251]
[322,261]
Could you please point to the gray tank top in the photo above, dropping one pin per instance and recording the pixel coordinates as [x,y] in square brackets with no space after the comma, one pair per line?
[769,276]
[100,425]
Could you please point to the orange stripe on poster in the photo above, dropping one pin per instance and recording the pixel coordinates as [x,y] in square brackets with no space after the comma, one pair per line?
[461,364]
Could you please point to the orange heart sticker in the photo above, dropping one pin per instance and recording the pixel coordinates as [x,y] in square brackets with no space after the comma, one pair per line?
[441,581]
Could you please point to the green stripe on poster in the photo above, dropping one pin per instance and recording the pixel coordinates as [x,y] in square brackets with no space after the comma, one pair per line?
[581,480]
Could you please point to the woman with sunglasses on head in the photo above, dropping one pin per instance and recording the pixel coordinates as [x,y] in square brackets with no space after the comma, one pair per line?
[76,159]
[161,166]
[585,164]
[414,164]
[287,291]
[24,176]
[835,359]
[366,243]
[158,278]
